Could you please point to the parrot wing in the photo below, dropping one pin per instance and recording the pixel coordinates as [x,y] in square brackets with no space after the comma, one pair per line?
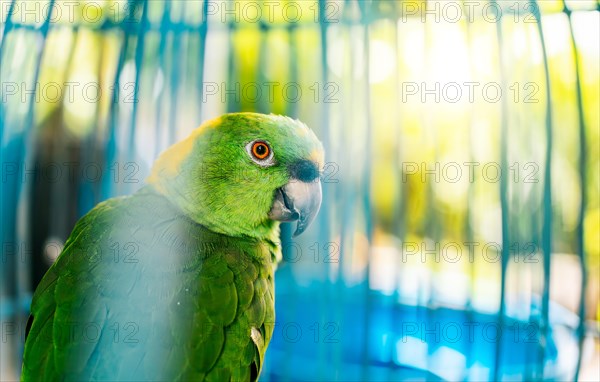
[142,292]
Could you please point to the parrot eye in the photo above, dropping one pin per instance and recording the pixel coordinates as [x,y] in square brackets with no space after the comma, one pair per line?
[260,152]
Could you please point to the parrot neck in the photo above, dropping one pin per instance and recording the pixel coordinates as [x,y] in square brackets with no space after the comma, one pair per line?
[193,209]
[265,236]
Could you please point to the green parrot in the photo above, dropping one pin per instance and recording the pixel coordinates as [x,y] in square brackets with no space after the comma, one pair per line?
[176,282]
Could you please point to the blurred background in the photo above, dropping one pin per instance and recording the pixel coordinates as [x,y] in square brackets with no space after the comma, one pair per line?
[459,237]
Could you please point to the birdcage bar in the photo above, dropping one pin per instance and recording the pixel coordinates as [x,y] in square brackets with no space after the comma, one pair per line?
[324,219]
[11,232]
[468,223]
[547,196]
[111,144]
[503,194]
[8,26]
[27,141]
[582,167]
[175,81]
[202,56]
[139,56]
[165,21]
[399,204]
[88,193]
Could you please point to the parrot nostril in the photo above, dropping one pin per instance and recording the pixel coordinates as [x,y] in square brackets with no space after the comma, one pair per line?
[304,170]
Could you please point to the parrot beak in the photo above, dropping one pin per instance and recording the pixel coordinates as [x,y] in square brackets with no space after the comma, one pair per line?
[297,200]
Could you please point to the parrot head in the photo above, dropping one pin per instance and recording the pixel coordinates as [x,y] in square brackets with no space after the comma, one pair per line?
[243,173]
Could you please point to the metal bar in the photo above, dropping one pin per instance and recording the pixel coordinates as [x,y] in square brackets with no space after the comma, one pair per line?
[347,197]
[174,87]
[399,214]
[87,191]
[324,235]
[583,194]
[292,107]
[164,22]
[203,34]
[7,28]
[139,56]
[547,195]
[3,189]
[286,228]
[23,192]
[504,204]
[366,188]
[263,105]
[468,227]
[111,145]
[231,105]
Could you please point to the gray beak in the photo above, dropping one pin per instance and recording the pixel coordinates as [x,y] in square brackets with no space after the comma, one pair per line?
[297,200]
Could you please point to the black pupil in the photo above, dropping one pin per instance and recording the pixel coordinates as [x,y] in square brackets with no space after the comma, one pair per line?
[261,149]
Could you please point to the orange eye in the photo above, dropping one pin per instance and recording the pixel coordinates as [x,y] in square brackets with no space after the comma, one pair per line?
[260,150]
